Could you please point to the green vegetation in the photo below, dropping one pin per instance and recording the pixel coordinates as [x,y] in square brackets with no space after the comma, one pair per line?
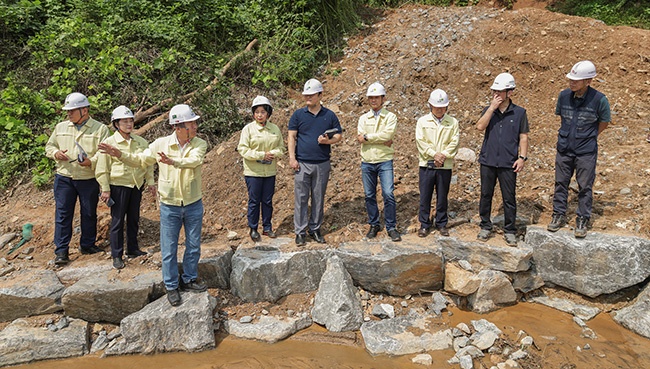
[634,13]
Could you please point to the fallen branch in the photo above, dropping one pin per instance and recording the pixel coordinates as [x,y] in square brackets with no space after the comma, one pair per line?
[188,97]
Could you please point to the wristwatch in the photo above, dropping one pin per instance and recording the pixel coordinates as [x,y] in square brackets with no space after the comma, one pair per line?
[365,137]
[523,157]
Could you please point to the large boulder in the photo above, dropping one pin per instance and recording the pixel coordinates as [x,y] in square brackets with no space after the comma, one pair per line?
[30,292]
[214,270]
[268,329]
[21,342]
[337,304]
[583,312]
[404,335]
[264,273]
[397,269]
[73,274]
[505,259]
[494,292]
[636,317]
[460,281]
[598,264]
[107,299]
[159,327]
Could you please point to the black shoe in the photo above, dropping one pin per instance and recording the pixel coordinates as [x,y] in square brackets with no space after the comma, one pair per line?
[317,236]
[174,297]
[581,227]
[61,259]
[255,235]
[193,286]
[443,231]
[118,263]
[90,250]
[300,239]
[136,253]
[372,232]
[558,221]
[394,235]
[423,232]
[269,233]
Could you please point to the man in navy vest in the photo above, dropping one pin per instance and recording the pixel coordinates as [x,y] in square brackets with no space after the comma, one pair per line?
[585,114]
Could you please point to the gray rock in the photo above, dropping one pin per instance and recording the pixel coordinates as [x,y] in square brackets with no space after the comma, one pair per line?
[268,329]
[214,271]
[70,275]
[30,292]
[506,259]
[6,238]
[64,322]
[471,351]
[466,362]
[265,273]
[527,341]
[636,317]
[598,264]
[460,342]
[423,359]
[397,269]
[102,298]
[466,265]
[438,304]
[114,334]
[246,319]
[100,342]
[460,281]
[6,270]
[520,221]
[583,312]
[465,154]
[526,281]
[484,340]
[483,326]
[494,292]
[383,311]
[395,336]
[159,327]
[463,328]
[20,342]
[337,304]
[518,355]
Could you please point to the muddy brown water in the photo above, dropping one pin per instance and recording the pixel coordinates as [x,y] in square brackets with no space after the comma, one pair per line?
[555,334]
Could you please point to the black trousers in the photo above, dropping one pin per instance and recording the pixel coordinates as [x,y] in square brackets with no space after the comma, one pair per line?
[507,181]
[584,167]
[127,204]
[440,180]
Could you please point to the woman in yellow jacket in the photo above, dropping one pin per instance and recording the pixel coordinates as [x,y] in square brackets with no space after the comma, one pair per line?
[260,144]
[121,186]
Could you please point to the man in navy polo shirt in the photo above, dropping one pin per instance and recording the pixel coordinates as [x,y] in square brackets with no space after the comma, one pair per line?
[503,155]
[312,130]
[585,114]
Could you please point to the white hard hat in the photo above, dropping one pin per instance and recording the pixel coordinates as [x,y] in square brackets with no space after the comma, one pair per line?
[313,86]
[182,113]
[438,98]
[75,100]
[582,70]
[260,100]
[504,81]
[376,89]
[121,112]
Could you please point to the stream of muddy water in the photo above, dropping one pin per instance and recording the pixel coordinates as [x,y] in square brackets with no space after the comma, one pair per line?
[557,337]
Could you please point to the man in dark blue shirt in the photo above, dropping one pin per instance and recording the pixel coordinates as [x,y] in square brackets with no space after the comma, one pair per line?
[503,155]
[584,115]
[312,130]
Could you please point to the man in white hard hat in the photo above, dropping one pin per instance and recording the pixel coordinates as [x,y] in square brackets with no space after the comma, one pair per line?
[180,158]
[584,114]
[437,136]
[375,132]
[122,186]
[504,154]
[312,131]
[73,144]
